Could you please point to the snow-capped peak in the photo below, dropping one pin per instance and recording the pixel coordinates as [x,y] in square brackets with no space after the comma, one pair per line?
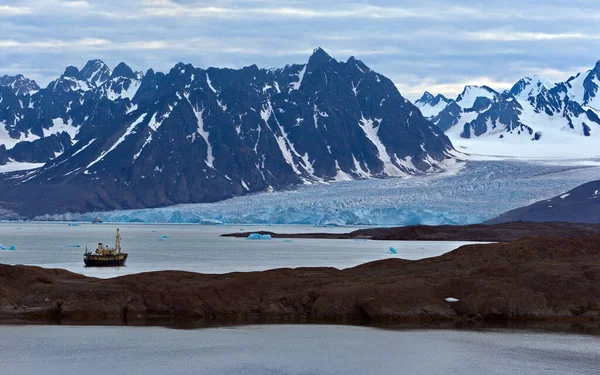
[430,105]
[470,94]
[531,86]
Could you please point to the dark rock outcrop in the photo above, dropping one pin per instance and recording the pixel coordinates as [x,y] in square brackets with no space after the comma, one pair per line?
[532,279]
[503,232]
[579,205]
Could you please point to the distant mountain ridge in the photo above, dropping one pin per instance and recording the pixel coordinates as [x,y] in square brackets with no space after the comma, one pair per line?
[533,109]
[116,139]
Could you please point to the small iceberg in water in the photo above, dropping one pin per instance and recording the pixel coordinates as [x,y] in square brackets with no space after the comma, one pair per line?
[287,241]
[11,247]
[392,251]
[258,236]
[164,237]
[451,299]
[73,245]
[73,225]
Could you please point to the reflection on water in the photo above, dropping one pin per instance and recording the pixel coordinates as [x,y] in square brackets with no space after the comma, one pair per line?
[291,350]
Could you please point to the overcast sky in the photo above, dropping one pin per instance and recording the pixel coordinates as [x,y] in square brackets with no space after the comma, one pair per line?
[435,45]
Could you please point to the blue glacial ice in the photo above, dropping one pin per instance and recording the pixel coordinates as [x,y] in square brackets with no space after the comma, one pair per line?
[258,236]
[480,191]
[392,251]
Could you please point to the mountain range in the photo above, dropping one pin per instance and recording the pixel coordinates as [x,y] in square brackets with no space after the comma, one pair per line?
[534,109]
[116,139]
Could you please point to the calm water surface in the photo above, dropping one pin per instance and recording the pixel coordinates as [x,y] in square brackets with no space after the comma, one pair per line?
[318,350]
[196,248]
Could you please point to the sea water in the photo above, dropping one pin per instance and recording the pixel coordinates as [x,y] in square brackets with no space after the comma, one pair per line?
[292,350]
[197,248]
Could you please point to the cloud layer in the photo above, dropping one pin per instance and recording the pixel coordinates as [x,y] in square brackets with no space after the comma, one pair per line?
[433,45]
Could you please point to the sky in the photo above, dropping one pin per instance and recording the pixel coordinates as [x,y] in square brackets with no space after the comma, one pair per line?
[434,45]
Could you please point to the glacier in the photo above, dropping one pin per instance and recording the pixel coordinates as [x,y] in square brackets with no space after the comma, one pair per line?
[481,190]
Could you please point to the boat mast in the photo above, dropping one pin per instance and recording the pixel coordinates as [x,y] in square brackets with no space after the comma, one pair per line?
[118,242]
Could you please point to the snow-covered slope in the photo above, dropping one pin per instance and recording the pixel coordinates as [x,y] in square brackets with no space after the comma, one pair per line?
[38,125]
[198,135]
[535,118]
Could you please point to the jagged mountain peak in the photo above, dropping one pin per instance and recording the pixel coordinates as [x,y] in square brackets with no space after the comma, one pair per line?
[95,71]
[534,109]
[318,59]
[198,135]
[71,71]
[123,70]
[19,84]
[531,86]
[427,97]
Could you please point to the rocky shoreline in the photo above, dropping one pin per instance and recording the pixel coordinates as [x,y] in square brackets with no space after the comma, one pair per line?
[476,232]
[536,279]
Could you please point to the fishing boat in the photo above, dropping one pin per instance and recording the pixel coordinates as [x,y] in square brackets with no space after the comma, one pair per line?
[105,256]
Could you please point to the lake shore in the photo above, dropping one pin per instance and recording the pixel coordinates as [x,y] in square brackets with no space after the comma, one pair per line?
[537,279]
[476,232]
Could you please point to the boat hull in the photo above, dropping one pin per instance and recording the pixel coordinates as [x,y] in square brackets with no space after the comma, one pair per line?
[105,261]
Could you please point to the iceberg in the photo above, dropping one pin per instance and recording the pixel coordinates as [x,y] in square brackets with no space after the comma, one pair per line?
[12,247]
[2,247]
[164,237]
[392,251]
[258,236]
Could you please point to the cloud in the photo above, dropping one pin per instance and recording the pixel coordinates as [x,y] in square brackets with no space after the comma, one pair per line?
[433,45]
[53,44]
[8,10]
[503,35]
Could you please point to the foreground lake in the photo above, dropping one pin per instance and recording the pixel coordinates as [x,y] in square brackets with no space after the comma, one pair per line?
[262,350]
[196,248]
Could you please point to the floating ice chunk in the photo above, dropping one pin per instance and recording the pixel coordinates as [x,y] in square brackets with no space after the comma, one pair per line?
[73,245]
[258,236]
[392,251]
[164,237]
[73,225]
[451,299]
[2,247]
[287,240]
[12,247]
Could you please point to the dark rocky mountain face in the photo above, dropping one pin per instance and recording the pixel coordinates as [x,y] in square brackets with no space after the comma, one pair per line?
[580,205]
[19,85]
[196,135]
[533,109]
